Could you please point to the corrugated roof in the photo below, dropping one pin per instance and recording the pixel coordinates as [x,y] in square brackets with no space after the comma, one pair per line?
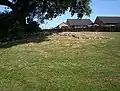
[79,22]
[109,19]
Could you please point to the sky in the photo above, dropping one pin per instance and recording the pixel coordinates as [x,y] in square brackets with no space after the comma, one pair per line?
[99,8]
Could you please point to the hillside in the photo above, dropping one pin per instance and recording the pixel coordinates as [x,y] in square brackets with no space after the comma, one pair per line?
[63,62]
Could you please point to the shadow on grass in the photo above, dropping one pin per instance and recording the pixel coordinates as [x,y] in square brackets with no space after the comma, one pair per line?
[34,38]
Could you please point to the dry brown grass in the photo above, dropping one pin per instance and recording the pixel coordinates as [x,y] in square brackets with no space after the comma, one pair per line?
[85,35]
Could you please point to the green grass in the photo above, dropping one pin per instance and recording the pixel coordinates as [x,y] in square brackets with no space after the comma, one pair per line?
[62,64]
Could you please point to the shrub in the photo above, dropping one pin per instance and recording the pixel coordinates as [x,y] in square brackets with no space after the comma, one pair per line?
[32,27]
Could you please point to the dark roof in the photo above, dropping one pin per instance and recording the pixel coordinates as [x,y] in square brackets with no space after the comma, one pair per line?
[109,19]
[78,22]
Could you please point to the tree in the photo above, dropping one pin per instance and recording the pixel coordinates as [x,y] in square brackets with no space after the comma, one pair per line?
[45,9]
[9,27]
[5,24]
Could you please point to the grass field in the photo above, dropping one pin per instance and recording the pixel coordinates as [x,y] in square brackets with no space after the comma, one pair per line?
[62,64]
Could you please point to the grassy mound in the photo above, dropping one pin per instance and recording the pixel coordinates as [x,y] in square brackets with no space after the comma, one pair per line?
[63,63]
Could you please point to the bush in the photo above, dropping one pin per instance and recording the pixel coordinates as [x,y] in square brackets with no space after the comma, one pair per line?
[11,29]
[5,24]
[32,27]
[16,31]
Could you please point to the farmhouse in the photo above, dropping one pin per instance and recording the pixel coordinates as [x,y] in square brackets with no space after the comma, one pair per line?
[77,23]
[63,25]
[107,21]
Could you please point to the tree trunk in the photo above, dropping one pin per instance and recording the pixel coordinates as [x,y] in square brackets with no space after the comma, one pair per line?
[17,14]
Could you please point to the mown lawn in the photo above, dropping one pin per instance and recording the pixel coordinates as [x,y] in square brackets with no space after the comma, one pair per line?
[62,64]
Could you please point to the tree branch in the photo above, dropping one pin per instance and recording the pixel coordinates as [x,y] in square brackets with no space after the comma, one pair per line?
[7,3]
